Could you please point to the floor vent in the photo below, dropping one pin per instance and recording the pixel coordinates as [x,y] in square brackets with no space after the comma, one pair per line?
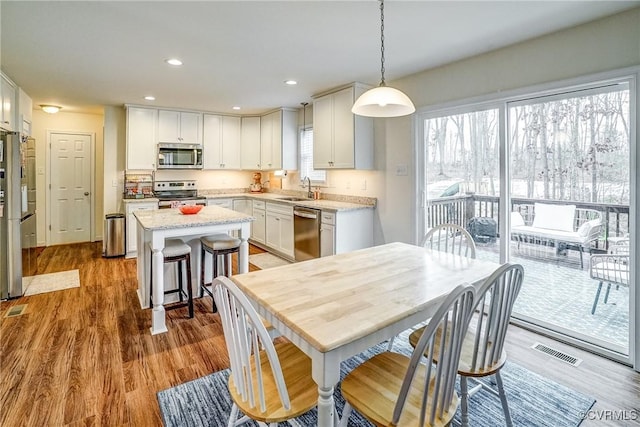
[16,310]
[571,360]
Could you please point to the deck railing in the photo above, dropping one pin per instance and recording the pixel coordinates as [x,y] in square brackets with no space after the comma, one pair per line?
[460,209]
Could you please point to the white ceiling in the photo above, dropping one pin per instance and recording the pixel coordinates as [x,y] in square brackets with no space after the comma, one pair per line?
[83,55]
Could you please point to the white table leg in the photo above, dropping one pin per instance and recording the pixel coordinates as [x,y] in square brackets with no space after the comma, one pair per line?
[325,369]
[243,254]
[158,321]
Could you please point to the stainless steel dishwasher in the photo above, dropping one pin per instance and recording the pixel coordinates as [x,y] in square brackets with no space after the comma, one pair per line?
[306,233]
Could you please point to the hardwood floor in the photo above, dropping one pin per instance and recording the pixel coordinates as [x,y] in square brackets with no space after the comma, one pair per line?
[84,356]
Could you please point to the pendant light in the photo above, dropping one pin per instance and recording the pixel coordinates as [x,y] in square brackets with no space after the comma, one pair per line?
[383,101]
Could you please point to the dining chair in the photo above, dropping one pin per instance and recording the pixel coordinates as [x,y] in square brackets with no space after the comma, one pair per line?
[450,238]
[483,351]
[392,389]
[269,382]
[612,267]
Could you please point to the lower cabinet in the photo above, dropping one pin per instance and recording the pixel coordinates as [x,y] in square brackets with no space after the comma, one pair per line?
[223,203]
[328,234]
[258,228]
[132,224]
[345,231]
[279,228]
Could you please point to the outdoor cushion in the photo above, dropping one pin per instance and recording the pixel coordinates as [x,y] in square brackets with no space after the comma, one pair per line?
[554,217]
[516,219]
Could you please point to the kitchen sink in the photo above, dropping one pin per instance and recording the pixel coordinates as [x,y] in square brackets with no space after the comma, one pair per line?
[292,199]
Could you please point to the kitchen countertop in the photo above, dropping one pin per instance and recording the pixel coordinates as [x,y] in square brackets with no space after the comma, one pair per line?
[324,204]
[173,218]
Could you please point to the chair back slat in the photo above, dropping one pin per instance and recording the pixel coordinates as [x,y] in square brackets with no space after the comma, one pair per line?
[450,238]
[452,317]
[246,336]
[497,296]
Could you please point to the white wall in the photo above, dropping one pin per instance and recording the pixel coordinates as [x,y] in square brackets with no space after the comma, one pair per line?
[65,122]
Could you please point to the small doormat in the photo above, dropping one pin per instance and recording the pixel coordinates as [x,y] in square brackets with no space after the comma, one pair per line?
[267,260]
[41,283]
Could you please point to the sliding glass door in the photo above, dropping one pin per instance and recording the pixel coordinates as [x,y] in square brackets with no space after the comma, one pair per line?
[544,179]
[569,192]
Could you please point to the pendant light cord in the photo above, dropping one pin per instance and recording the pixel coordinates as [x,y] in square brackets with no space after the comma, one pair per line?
[382,82]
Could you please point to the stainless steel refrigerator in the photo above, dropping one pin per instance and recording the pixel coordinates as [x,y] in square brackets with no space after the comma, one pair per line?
[17,212]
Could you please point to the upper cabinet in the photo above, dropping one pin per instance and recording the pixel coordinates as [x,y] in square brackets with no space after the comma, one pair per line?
[221,142]
[341,139]
[25,108]
[179,127]
[250,143]
[279,140]
[8,98]
[142,150]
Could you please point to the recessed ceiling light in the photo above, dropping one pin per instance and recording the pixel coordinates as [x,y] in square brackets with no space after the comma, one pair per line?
[236,107]
[51,109]
[150,98]
[290,82]
[173,61]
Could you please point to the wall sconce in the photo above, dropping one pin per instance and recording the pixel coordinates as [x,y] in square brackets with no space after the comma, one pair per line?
[51,109]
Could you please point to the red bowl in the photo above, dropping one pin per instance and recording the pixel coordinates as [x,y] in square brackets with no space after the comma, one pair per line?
[190,209]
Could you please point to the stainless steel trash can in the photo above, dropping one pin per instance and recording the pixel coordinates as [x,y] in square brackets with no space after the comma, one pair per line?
[114,235]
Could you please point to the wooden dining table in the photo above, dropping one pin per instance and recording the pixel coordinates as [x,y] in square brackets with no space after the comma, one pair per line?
[335,307]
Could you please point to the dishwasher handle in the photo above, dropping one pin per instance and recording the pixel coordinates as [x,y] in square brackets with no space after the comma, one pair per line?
[305,214]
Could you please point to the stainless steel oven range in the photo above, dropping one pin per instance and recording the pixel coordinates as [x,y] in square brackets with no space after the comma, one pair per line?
[172,194]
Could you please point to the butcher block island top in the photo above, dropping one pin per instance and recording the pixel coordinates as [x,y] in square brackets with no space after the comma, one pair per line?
[172,218]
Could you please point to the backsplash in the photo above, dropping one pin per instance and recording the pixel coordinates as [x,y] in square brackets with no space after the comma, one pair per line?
[368,201]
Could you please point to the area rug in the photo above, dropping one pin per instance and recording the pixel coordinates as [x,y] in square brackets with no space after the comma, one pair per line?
[534,401]
[50,282]
[267,260]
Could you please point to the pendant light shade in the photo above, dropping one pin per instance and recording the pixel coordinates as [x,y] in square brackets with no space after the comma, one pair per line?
[383,101]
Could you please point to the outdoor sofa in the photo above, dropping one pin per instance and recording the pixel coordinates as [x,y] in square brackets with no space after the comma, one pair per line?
[557,225]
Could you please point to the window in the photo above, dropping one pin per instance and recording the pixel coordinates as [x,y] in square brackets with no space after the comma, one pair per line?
[306,158]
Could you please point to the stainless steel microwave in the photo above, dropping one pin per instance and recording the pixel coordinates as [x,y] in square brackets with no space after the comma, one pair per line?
[179,156]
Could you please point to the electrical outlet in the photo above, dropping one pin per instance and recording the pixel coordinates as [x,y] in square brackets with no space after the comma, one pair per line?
[114,183]
[364,184]
[402,170]
[348,185]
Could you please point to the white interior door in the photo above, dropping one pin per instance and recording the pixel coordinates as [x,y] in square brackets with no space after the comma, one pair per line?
[70,179]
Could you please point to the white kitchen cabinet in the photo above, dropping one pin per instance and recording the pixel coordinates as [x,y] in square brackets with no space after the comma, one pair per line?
[8,98]
[250,143]
[279,140]
[221,142]
[179,127]
[132,224]
[25,112]
[345,231]
[141,138]
[258,228]
[279,228]
[341,139]
[327,234]
[223,203]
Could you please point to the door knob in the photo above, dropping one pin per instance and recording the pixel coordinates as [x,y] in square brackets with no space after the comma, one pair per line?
[86,193]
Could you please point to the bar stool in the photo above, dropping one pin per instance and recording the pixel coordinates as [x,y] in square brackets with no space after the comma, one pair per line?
[217,245]
[177,251]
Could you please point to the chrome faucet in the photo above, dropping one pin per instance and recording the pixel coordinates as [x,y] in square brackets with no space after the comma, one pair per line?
[309,192]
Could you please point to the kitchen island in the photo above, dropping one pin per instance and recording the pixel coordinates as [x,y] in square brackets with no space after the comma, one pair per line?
[154,226]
